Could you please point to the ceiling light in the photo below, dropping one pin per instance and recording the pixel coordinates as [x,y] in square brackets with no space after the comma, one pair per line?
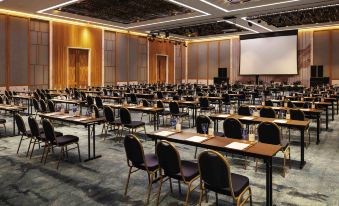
[244,27]
[57,6]
[259,25]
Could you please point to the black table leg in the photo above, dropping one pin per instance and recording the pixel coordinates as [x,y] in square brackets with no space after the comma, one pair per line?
[13,123]
[269,182]
[332,111]
[337,106]
[326,118]
[318,129]
[302,148]
[89,144]
[155,120]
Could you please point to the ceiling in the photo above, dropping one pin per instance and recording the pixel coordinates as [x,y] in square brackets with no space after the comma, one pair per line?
[211,17]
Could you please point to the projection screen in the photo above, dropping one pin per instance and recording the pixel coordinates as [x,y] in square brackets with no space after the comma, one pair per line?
[269,56]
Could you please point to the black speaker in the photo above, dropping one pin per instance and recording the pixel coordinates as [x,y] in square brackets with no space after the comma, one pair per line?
[222,72]
[314,71]
[320,72]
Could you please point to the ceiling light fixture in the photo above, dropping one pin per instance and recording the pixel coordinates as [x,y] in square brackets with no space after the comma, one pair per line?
[57,6]
[257,24]
[244,27]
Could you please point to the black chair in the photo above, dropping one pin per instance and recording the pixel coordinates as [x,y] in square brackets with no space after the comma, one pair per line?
[48,96]
[43,107]
[244,110]
[96,111]
[133,99]
[297,114]
[111,121]
[36,106]
[233,128]
[89,101]
[202,119]
[226,100]
[205,105]
[160,95]
[98,102]
[267,112]
[164,113]
[216,176]
[126,121]
[52,140]
[3,123]
[269,103]
[269,133]
[175,112]
[51,106]
[22,130]
[145,103]
[172,167]
[136,158]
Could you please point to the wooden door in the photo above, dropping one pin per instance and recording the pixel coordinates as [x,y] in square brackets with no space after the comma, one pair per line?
[161,68]
[78,68]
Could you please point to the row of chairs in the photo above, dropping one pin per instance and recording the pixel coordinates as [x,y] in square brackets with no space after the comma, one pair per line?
[213,170]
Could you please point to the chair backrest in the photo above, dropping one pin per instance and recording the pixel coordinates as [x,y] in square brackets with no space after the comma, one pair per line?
[48,96]
[134,98]
[43,106]
[77,95]
[244,110]
[95,109]
[214,171]
[190,98]
[51,106]
[42,96]
[297,114]
[232,128]
[226,98]
[169,158]
[36,104]
[174,107]
[269,103]
[203,101]
[1,100]
[48,130]
[34,127]
[105,92]
[160,95]
[20,124]
[89,100]
[145,103]
[125,116]
[98,102]
[108,112]
[36,95]
[269,133]
[267,112]
[134,150]
[202,119]
[160,104]
[290,104]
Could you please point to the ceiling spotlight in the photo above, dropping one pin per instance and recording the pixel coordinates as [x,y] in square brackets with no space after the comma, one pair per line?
[250,24]
[153,35]
[166,34]
[259,21]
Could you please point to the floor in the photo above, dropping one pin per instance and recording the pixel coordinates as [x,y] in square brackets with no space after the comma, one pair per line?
[26,181]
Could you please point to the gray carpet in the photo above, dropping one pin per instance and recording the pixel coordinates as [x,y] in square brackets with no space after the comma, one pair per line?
[26,181]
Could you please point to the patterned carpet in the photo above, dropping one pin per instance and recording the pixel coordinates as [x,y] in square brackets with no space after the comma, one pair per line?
[26,181]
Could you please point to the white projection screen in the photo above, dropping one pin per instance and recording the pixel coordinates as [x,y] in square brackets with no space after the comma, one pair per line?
[269,56]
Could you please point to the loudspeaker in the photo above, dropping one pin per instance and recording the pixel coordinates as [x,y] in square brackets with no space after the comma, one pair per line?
[320,72]
[314,71]
[222,72]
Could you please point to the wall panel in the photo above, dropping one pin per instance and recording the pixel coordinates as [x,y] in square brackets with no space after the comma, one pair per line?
[109,58]
[122,59]
[321,41]
[3,57]
[192,61]
[335,54]
[202,61]
[133,58]
[142,60]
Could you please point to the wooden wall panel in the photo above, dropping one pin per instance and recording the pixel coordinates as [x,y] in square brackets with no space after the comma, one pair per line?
[109,58]
[3,62]
[65,36]
[163,48]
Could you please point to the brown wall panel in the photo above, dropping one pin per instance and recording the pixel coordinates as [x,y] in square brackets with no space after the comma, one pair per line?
[3,62]
[321,45]
[65,36]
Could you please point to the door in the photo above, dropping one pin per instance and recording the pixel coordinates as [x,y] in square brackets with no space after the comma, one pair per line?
[78,68]
[161,68]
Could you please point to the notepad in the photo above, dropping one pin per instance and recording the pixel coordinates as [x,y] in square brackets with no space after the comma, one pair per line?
[65,117]
[52,114]
[147,108]
[196,139]
[164,133]
[280,121]
[247,118]
[81,119]
[237,146]
[223,115]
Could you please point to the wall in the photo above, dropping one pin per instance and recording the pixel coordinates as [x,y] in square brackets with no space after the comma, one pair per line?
[65,36]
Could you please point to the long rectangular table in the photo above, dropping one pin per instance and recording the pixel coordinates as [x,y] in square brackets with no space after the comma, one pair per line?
[295,124]
[257,150]
[12,109]
[85,121]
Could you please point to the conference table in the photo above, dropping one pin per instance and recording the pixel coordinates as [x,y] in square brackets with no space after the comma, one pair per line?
[293,124]
[29,100]
[12,109]
[85,121]
[255,149]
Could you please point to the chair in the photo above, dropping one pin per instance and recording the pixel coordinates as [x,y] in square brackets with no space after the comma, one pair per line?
[98,102]
[205,105]
[51,107]
[54,141]
[226,100]
[164,113]
[134,99]
[233,128]
[126,121]
[175,113]
[43,107]
[172,167]
[269,133]
[21,129]
[160,95]
[297,114]
[89,101]
[269,103]
[36,106]
[145,103]
[3,123]
[244,110]
[202,119]
[110,120]
[216,176]
[267,112]
[136,158]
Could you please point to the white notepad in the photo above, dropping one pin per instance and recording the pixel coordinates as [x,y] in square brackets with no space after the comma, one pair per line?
[247,118]
[65,117]
[237,146]
[280,121]
[81,119]
[196,139]
[164,133]
[223,115]
[147,108]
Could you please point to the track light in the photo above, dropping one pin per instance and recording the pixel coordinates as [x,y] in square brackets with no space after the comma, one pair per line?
[250,24]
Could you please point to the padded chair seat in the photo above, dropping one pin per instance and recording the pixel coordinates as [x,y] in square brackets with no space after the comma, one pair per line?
[239,183]
[207,108]
[116,122]
[135,124]
[189,169]
[151,162]
[66,139]
[180,114]
[57,134]
[2,121]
